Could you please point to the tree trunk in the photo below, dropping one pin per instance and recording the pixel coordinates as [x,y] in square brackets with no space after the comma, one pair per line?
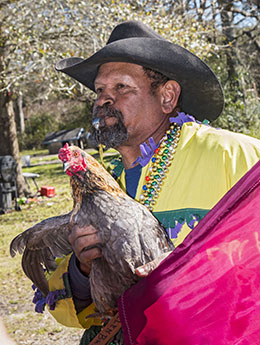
[20,112]
[231,56]
[8,140]
[5,147]
[213,11]
[8,135]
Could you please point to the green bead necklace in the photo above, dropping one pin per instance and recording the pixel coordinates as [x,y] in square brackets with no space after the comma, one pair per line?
[161,161]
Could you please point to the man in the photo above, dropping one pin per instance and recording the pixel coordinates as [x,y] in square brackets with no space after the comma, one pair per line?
[178,167]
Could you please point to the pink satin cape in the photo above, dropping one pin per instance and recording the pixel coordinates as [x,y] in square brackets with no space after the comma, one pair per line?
[207,292]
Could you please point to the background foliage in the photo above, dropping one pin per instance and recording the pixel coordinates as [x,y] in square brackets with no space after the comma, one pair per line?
[39,124]
[35,35]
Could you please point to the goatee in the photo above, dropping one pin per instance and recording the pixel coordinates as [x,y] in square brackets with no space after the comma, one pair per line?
[110,136]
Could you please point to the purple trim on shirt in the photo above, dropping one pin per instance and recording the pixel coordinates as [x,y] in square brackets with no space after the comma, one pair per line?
[182,118]
[147,151]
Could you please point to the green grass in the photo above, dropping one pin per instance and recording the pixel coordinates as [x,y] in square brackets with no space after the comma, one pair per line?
[34,152]
[37,157]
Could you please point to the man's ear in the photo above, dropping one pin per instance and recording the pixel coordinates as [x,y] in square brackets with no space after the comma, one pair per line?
[170,93]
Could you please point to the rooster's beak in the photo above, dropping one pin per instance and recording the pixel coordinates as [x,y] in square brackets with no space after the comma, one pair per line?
[65,166]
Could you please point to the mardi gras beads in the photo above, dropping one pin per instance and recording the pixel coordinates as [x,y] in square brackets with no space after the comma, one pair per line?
[161,160]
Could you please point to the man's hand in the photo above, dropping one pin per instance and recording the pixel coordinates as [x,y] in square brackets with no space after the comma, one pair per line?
[143,271]
[84,242]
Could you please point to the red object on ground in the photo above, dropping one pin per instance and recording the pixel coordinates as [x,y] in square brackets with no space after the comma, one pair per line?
[48,191]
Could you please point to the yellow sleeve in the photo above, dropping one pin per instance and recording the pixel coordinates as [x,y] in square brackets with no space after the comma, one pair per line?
[240,156]
[65,312]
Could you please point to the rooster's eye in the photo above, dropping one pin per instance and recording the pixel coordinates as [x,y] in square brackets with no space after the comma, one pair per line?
[76,154]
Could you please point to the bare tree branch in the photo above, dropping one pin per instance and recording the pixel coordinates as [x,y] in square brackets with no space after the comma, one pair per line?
[253,39]
[252,13]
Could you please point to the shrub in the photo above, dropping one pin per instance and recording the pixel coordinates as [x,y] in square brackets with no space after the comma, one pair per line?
[36,129]
[38,125]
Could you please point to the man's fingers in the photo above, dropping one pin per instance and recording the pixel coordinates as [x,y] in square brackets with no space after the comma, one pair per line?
[143,271]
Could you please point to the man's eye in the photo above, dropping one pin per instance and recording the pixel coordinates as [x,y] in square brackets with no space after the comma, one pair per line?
[99,90]
[120,86]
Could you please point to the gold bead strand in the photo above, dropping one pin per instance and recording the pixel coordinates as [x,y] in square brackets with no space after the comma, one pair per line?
[161,160]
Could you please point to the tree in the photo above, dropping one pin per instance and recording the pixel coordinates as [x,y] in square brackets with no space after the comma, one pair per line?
[39,34]
[8,139]
[235,33]
[35,35]
[238,21]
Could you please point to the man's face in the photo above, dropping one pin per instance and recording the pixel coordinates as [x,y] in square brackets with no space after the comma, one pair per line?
[128,110]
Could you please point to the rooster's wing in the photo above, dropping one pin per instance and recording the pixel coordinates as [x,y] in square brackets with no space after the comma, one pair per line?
[40,244]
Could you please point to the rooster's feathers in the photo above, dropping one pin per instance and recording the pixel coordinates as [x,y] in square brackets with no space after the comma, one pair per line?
[129,234]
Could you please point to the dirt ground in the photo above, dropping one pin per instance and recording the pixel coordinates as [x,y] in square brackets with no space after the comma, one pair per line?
[26,326]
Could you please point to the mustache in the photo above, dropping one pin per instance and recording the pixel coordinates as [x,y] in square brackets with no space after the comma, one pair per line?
[110,136]
[107,111]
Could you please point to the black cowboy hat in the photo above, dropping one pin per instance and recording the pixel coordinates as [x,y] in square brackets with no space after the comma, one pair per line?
[134,42]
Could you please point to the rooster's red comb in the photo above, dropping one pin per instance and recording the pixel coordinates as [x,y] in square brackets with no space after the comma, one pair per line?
[64,153]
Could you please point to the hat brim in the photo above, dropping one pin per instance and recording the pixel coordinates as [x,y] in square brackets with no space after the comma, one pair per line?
[201,96]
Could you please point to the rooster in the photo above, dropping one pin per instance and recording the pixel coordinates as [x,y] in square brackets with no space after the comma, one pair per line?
[129,235]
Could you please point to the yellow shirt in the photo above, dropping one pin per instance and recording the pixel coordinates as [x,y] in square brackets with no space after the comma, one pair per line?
[207,163]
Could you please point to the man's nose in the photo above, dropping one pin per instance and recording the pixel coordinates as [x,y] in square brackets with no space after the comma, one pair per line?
[105,98]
